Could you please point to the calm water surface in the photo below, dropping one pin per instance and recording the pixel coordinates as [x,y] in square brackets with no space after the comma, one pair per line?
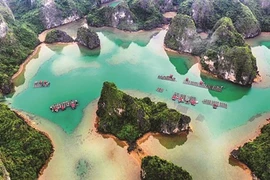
[133,61]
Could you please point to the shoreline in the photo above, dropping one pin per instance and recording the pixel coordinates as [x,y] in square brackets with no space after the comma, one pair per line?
[137,153]
[30,123]
[27,60]
[254,135]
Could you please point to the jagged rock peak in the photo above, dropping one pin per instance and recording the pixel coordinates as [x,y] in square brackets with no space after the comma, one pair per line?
[87,38]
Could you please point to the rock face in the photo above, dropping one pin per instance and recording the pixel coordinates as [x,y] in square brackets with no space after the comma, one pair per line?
[228,56]
[151,169]
[129,118]
[131,16]
[206,13]
[261,10]
[224,53]
[58,36]
[182,36]
[87,38]
[3,27]
[51,16]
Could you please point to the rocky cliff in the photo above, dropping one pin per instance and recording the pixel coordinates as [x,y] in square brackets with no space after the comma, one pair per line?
[182,36]
[228,56]
[261,10]
[87,38]
[3,27]
[224,53]
[128,118]
[57,36]
[206,13]
[132,16]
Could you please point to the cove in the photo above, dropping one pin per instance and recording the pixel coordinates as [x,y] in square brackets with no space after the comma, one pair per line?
[133,61]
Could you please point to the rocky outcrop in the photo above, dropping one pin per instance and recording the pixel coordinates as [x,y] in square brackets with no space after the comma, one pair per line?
[87,38]
[223,54]
[261,10]
[228,56]
[130,16]
[4,175]
[182,36]
[162,6]
[51,16]
[57,36]
[128,118]
[5,11]
[3,27]
[206,13]
[153,167]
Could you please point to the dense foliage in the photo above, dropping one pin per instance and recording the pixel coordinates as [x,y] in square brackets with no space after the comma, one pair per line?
[256,154]
[129,118]
[14,48]
[127,16]
[57,36]
[88,38]
[182,36]
[229,52]
[206,13]
[154,168]
[261,10]
[23,150]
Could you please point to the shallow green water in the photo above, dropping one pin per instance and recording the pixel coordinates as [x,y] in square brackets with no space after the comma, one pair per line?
[76,73]
[133,62]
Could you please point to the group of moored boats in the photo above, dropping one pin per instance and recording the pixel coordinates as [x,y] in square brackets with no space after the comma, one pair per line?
[38,84]
[168,78]
[59,106]
[203,85]
[182,98]
[215,104]
[62,106]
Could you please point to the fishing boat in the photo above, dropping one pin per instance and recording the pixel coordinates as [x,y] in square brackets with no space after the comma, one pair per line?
[63,105]
[39,84]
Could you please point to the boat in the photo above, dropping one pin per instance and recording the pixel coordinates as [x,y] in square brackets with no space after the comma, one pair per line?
[62,106]
[39,84]
[203,85]
[169,78]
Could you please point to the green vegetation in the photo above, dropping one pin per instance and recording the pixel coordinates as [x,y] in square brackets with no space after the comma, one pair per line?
[207,13]
[129,118]
[88,38]
[182,27]
[228,51]
[23,150]
[135,17]
[154,168]
[256,155]
[14,48]
[261,11]
[57,36]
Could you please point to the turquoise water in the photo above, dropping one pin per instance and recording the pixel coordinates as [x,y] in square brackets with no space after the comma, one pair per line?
[76,73]
[133,61]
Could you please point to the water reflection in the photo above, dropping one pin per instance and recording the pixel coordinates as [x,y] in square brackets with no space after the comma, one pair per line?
[124,39]
[171,141]
[230,92]
[86,52]
[181,63]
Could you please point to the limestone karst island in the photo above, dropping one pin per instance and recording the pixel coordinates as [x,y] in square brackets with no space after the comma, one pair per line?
[134,89]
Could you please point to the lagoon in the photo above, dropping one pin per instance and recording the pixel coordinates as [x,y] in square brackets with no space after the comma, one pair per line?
[133,62]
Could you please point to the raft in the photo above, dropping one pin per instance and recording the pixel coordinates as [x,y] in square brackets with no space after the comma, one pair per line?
[39,84]
[63,105]
[203,85]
